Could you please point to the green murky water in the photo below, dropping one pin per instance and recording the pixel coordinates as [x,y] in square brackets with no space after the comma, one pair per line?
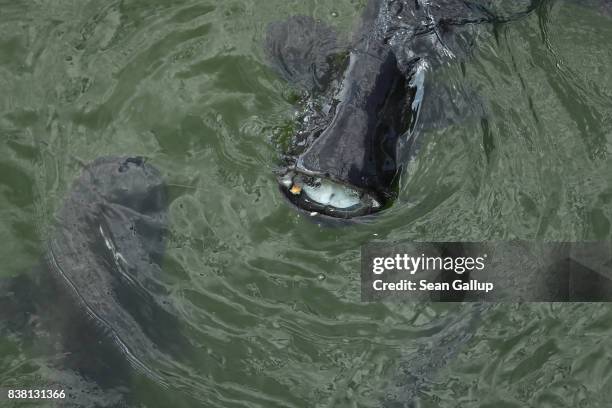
[274,297]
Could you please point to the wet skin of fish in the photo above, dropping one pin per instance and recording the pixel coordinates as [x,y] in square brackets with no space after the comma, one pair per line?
[346,161]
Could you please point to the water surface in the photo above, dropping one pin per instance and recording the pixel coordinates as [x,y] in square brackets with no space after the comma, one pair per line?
[269,300]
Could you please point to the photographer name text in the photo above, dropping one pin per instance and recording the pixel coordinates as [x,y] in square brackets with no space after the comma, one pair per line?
[411,265]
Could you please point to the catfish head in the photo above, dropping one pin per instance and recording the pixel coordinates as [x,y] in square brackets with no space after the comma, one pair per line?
[368,99]
[360,103]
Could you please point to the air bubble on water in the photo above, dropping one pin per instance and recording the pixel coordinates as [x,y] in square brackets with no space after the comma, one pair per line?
[321,277]
[334,14]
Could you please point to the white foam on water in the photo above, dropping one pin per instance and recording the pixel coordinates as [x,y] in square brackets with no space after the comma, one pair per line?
[286,180]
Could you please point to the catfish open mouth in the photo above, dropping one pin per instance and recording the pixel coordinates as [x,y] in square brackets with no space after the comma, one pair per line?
[321,195]
[348,151]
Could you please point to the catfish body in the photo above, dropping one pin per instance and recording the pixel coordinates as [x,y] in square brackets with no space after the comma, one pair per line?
[106,252]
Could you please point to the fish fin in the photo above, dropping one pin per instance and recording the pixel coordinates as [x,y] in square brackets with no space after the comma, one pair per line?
[303,51]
